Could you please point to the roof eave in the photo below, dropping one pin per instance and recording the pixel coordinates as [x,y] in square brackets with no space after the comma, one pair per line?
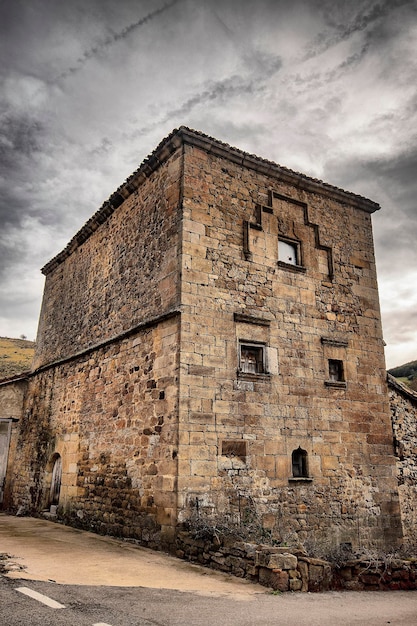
[164,151]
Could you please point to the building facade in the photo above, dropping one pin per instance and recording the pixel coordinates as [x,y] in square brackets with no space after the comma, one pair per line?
[210,341]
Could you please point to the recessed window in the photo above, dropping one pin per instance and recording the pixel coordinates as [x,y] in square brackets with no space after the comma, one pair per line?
[336,374]
[252,358]
[288,252]
[299,463]
[234,448]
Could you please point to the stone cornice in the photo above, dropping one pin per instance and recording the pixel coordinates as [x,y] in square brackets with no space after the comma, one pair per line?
[22,377]
[148,323]
[168,146]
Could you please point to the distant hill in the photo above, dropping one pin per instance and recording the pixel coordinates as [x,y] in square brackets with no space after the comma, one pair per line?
[407,373]
[15,356]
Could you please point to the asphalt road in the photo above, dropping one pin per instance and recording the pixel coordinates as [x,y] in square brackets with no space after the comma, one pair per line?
[139,606]
[85,580]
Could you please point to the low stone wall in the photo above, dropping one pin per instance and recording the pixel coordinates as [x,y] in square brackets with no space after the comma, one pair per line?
[284,569]
[275,567]
[369,575]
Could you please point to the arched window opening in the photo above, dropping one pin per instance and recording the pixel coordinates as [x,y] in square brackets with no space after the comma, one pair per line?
[299,463]
[56,481]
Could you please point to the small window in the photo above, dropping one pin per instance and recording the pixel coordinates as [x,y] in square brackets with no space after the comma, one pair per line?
[288,252]
[336,374]
[252,358]
[234,448]
[299,463]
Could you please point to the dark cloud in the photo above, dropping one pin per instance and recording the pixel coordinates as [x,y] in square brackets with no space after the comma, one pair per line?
[20,140]
[19,137]
[399,175]
[393,175]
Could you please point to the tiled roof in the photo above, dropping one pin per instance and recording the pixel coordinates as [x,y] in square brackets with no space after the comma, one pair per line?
[409,393]
[168,146]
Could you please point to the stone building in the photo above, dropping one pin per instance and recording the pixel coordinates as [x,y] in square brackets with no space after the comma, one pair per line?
[210,342]
[12,394]
[403,401]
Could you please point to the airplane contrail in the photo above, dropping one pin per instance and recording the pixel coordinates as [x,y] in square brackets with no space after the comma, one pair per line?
[110,40]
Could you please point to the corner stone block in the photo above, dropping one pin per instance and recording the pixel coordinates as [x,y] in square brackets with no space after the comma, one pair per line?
[277,579]
[203,468]
[320,575]
[165,516]
[282,561]
[270,557]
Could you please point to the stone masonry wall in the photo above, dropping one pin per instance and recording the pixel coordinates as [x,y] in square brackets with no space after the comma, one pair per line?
[124,273]
[112,417]
[404,425]
[238,431]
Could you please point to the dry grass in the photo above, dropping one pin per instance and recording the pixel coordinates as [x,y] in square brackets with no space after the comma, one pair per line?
[15,356]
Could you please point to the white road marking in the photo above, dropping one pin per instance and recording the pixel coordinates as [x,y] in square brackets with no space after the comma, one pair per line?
[101,624]
[40,598]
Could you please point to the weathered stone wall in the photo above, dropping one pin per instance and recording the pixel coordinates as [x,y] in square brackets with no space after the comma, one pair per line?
[234,288]
[11,397]
[404,425]
[112,417]
[103,395]
[391,573]
[125,272]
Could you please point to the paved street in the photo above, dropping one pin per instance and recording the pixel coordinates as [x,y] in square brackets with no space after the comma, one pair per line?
[64,577]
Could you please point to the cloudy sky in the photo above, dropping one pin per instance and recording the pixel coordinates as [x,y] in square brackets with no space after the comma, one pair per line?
[89,87]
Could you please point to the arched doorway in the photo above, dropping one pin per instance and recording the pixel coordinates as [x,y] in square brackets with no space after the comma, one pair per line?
[55,481]
[5,432]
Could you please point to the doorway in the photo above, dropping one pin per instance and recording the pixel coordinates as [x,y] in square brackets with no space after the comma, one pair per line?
[5,430]
[55,481]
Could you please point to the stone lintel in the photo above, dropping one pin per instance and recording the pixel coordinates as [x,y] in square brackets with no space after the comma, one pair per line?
[335,343]
[251,319]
